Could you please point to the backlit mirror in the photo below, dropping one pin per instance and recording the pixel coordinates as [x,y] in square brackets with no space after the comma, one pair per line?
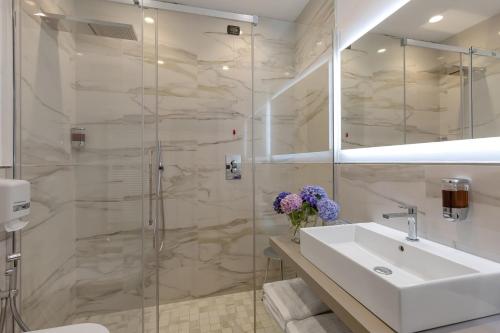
[428,73]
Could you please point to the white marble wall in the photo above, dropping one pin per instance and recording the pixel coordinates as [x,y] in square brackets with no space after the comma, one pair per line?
[108,183]
[367,191]
[300,115]
[204,93]
[289,48]
[47,114]
[288,92]
[82,249]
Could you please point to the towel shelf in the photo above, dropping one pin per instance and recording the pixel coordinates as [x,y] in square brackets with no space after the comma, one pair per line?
[352,313]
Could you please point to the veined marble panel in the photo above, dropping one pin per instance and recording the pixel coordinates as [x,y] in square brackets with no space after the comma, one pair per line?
[52,221]
[53,302]
[109,271]
[48,98]
[108,198]
[314,30]
[367,191]
[48,108]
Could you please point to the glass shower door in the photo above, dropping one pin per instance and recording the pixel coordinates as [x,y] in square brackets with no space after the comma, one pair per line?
[485,98]
[80,145]
[436,94]
[198,111]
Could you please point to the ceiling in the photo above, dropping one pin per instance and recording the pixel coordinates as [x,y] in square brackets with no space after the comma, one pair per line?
[287,10]
[413,19]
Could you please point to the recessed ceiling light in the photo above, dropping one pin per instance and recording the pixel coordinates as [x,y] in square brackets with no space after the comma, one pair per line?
[287,73]
[499,32]
[79,54]
[225,68]
[29,2]
[381,50]
[149,20]
[161,62]
[319,43]
[436,19]
[40,14]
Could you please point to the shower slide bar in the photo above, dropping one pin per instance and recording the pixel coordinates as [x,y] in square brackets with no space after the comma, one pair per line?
[155,4]
[435,46]
[449,48]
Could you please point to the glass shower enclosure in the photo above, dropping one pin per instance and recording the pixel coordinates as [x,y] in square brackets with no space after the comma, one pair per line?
[136,126]
[127,114]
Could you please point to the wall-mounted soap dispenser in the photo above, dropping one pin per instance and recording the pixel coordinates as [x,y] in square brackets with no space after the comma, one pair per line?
[455,192]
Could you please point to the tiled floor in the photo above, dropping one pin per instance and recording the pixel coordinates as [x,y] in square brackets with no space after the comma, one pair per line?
[232,313]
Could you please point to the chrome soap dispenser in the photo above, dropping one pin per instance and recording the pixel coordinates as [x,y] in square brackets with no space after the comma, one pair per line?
[455,193]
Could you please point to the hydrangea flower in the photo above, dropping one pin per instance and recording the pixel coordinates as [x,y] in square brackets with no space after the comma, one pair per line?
[328,210]
[312,194]
[291,203]
[277,202]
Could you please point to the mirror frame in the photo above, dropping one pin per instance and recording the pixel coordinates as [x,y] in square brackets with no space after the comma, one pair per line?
[470,151]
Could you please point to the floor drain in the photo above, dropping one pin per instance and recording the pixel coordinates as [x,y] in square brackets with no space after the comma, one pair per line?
[382,270]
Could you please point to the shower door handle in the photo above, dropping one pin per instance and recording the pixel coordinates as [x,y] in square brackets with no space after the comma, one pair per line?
[160,209]
[151,194]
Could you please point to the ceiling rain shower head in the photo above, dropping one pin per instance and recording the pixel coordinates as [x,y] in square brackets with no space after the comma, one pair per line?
[89,26]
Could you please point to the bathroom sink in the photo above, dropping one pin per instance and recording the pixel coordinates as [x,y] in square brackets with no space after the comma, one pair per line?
[411,286]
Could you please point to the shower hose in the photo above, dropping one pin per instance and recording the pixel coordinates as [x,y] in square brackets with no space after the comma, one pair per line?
[9,299]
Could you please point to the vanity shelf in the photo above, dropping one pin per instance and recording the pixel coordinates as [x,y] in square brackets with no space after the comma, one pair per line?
[355,315]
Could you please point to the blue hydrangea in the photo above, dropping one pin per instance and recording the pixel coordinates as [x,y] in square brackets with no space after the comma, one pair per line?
[277,202]
[312,194]
[328,210]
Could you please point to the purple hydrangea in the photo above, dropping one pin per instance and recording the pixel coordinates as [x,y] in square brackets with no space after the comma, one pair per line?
[312,194]
[291,203]
[277,202]
[328,210]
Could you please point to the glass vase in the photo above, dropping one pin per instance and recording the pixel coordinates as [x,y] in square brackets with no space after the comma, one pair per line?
[307,221]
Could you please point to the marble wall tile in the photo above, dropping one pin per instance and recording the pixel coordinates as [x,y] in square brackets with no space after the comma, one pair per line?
[46,160]
[314,29]
[109,271]
[108,171]
[48,99]
[300,115]
[367,191]
[53,302]
[52,221]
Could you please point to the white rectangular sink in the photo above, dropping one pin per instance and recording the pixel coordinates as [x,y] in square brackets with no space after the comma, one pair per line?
[428,284]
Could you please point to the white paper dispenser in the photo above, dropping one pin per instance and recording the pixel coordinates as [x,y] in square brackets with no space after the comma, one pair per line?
[15,201]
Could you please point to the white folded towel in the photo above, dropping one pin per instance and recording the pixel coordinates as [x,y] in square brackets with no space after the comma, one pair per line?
[325,323]
[291,300]
[274,313]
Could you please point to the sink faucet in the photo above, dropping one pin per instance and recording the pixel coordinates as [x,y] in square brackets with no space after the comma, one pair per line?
[412,220]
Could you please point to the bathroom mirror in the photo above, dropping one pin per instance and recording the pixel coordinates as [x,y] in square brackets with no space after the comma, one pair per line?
[430,72]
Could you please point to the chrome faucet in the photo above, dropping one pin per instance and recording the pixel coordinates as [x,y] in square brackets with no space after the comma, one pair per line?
[412,220]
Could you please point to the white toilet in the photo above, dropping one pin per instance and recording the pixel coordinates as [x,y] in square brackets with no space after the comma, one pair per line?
[80,328]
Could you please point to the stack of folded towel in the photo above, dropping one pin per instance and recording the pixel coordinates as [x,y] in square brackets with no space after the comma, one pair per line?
[296,308]
[325,323]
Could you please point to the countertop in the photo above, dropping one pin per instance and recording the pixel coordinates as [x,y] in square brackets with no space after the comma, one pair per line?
[357,317]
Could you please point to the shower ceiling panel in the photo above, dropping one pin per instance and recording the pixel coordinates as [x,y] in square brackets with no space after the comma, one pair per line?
[89,27]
